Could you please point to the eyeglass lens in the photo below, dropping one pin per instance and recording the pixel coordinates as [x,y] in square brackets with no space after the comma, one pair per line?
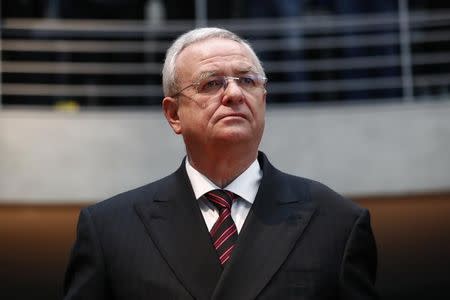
[213,84]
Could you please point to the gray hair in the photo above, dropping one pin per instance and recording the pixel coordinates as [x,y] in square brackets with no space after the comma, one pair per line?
[169,76]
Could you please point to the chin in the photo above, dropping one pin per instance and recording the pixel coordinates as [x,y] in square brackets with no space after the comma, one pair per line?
[235,136]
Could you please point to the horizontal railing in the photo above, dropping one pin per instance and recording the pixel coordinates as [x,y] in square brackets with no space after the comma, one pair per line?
[310,58]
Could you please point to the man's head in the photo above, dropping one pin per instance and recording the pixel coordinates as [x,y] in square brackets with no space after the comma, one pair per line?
[169,73]
[214,88]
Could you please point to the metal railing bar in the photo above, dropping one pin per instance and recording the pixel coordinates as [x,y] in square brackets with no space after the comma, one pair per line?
[153,68]
[431,25]
[256,25]
[1,68]
[332,64]
[304,23]
[72,90]
[81,68]
[96,25]
[405,50]
[335,85]
[353,84]
[83,46]
[247,33]
[430,58]
[426,80]
[363,62]
[201,13]
[433,36]
[158,46]
[429,18]
[322,24]
[177,25]
[300,65]
[260,45]
[325,42]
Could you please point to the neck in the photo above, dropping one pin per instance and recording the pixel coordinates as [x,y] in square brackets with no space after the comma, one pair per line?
[222,167]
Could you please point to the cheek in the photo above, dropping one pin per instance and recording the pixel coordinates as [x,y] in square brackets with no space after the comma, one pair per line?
[258,111]
[193,120]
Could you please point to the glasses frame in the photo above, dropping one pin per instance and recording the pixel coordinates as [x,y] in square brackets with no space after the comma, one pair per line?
[224,87]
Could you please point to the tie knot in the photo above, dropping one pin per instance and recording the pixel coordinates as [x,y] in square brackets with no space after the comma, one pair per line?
[222,199]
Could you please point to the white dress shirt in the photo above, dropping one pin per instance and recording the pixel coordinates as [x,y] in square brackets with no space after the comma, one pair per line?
[245,186]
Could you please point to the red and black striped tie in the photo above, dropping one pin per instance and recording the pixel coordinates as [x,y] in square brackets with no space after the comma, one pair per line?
[224,232]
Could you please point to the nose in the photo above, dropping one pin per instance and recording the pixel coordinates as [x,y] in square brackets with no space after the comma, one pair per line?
[232,92]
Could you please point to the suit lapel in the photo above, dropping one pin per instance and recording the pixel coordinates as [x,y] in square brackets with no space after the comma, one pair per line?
[277,219]
[175,224]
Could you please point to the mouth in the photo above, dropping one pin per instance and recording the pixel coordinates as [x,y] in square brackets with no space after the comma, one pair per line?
[233,116]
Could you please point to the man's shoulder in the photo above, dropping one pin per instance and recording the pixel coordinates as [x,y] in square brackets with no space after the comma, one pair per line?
[324,197]
[319,194]
[126,200]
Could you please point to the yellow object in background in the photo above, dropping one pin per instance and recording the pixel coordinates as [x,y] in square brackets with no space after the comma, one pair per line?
[67,105]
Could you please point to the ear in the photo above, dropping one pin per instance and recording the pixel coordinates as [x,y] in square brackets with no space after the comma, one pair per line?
[264,95]
[170,108]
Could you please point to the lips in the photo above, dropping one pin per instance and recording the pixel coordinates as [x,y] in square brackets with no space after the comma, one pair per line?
[232,115]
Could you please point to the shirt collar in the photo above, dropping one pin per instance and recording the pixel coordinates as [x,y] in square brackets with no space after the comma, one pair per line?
[245,185]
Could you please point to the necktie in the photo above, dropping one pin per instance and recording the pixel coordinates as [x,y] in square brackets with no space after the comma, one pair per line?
[224,232]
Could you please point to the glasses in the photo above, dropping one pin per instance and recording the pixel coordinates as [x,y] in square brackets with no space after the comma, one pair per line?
[211,85]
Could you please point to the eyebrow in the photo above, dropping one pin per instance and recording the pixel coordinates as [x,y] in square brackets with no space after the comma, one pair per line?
[246,70]
[207,74]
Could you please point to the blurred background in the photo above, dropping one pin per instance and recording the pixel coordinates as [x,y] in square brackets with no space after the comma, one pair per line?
[359,98]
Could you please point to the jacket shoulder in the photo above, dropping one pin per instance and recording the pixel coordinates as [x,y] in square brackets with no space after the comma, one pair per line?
[127,199]
[322,195]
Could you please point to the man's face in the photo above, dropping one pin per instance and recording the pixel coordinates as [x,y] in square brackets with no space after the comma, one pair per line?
[232,114]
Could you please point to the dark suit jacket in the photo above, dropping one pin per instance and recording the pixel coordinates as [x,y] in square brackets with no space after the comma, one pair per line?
[300,240]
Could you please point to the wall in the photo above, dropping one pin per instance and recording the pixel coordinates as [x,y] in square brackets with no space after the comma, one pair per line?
[48,156]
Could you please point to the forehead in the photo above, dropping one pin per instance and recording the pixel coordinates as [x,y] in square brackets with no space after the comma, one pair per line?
[214,55]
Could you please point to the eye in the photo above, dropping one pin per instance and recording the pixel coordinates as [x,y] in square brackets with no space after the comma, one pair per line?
[211,84]
[247,80]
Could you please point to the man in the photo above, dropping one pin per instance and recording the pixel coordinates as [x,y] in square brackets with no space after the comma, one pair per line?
[226,224]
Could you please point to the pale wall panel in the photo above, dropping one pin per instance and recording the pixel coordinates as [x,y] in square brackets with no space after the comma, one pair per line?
[48,156]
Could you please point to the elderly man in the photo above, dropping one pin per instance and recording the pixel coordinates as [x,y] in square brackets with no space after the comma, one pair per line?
[226,224]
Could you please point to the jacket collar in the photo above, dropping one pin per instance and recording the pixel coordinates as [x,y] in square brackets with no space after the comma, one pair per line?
[279,215]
